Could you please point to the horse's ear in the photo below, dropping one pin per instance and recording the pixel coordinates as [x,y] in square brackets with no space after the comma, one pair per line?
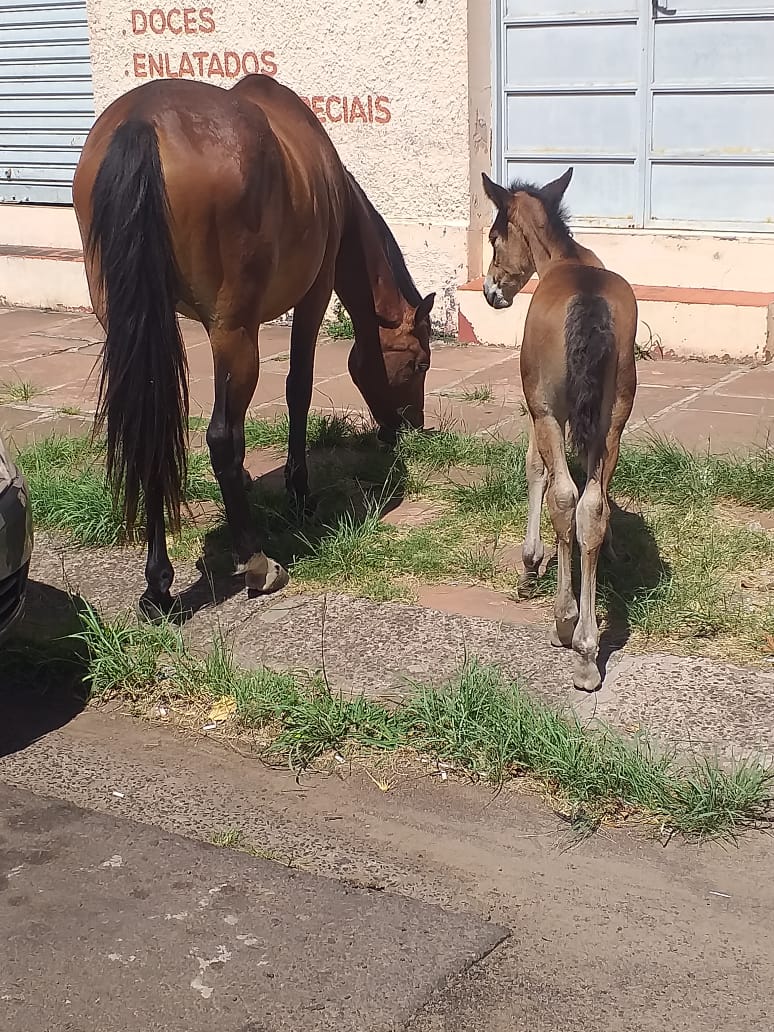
[498,195]
[554,191]
[424,308]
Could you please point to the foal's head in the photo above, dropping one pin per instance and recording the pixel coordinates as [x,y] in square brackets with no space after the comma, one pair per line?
[526,215]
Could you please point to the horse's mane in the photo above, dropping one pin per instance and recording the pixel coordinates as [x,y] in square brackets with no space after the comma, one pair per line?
[395,258]
[555,209]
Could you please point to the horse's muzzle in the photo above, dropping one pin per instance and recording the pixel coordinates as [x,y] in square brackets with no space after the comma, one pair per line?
[494,295]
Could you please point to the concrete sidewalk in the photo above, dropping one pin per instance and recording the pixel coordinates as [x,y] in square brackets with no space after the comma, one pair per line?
[113,925]
[48,378]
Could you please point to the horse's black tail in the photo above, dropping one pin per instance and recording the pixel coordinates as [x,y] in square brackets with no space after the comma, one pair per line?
[143,392]
[589,343]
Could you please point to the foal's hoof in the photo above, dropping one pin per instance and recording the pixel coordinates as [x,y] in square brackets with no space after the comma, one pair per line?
[585,674]
[263,575]
[562,632]
[156,609]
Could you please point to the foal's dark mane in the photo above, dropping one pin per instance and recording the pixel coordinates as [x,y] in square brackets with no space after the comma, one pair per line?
[395,258]
[555,209]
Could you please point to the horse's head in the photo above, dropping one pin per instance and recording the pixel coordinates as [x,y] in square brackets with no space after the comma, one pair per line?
[394,388]
[522,215]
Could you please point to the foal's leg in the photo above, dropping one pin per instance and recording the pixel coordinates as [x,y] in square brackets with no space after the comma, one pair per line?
[592,518]
[235,357]
[307,319]
[562,497]
[532,551]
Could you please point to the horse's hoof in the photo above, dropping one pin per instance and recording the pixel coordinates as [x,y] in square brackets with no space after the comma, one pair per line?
[386,437]
[264,576]
[155,609]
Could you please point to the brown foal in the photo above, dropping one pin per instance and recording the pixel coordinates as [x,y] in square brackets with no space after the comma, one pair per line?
[231,207]
[577,368]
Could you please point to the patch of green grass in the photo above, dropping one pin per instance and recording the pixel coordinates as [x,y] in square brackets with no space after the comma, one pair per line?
[19,390]
[70,410]
[680,567]
[660,470]
[231,838]
[69,493]
[482,723]
[340,327]
[480,394]
[126,658]
[68,490]
[235,838]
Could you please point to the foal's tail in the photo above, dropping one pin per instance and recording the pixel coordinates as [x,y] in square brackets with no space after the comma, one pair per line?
[143,391]
[589,343]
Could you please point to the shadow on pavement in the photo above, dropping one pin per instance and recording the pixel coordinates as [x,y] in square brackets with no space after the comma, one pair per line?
[42,669]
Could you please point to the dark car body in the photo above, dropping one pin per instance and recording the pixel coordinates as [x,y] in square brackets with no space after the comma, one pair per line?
[16,541]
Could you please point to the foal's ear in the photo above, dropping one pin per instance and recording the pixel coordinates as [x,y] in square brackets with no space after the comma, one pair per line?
[498,195]
[554,191]
[424,309]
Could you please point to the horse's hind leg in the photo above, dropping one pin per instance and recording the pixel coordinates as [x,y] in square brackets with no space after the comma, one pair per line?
[307,319]
[156,602]
[235,358]
[562,497]
[532,551]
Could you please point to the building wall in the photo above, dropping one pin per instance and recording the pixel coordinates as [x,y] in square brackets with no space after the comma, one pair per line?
[390,83]
[405,88]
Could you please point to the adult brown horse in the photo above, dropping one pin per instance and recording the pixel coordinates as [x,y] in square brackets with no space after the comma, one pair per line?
[577,368]
[230,207]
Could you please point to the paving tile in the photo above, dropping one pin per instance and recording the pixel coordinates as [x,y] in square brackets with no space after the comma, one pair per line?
[757,383]
[412,513]
[51,370]
[672,373]
[273,340]
[648,401]
[475,601]
[338,392]
[21,321]
[467,360]
[19,349]
[265,462]
[76,328]
[331,359]
[13,416]
[79,394]
[193,333]
[470,418]
[503,373]
[271,387]
[199,362]
[716,432]
[743,405]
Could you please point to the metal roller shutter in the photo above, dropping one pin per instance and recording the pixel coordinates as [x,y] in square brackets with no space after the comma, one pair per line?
[46,98]
[665,108]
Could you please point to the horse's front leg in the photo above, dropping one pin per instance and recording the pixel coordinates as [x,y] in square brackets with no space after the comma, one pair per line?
[307,319]
[235,357]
